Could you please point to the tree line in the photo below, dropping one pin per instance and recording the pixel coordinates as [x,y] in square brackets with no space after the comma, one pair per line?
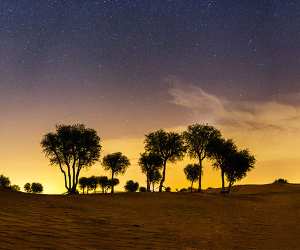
[74,147]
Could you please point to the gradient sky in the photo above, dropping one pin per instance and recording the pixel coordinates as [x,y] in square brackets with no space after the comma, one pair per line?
[128,67]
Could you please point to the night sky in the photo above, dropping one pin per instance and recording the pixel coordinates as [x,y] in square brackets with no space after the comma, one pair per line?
[127,67]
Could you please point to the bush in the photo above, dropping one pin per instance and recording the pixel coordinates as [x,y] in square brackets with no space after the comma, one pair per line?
[183,190]
[280,181]
[131,186]
[15,188]
[27,187]
[143,189]
[4,182]
[168,189]
[37,187]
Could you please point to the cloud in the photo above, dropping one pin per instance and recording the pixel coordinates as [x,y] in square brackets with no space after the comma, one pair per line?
[251,115]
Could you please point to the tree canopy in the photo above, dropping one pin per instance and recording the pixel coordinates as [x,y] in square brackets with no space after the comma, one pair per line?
[72,148]
[117,163]
[149,163]
[197,138]
[168,145]
[192,172]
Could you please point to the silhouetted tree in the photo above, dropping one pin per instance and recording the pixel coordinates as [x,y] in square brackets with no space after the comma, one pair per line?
[117,164]
[27,187]
[154,178]
[149,163]
[142,189]
[72,148]
[37,187]
[112,183]
[238,164]
[103,182]
[83,182]
[4,182]
[168,145]
[92,183]
[192,172]
[197,138]
[219,150]
[131,186]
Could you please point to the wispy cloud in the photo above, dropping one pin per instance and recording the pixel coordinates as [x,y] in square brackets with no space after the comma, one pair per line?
[251,115]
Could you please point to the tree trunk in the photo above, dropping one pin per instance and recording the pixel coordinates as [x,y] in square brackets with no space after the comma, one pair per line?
[192,186]
[200,176]
[230,186]
[163,176]
[153,187]
[148,184]
[223,180]
[112,184]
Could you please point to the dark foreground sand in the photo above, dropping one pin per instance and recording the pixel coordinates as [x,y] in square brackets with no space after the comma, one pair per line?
[255,217]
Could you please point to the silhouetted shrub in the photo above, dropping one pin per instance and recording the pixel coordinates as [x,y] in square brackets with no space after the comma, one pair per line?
[168,189]
[280,181]
[15,188]
[143,189]
[37,187]
[183,190]
[4,182]
[27,187]
[131,186]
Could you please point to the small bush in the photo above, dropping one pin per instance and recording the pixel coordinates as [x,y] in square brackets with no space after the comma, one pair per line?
[143,189]
[4,182]
[15,188]
[168,189]
[183,190]
[37,188]
[27,187]
[280,181]
[131,186]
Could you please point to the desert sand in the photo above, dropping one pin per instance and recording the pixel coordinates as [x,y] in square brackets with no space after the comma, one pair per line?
[252,217]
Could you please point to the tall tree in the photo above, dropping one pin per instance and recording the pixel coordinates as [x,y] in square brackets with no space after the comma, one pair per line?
[197,138]
[192,172]
[219,150]
[238,164]
[117,163]
[168,145]
[72,148]
[150,162]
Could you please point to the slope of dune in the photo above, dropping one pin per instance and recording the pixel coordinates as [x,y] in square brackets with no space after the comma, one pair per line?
[253,217]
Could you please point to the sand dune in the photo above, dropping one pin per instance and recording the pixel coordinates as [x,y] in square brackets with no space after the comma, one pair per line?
[255,217]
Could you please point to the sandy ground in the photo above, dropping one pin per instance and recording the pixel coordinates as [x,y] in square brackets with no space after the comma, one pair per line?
[253,217]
